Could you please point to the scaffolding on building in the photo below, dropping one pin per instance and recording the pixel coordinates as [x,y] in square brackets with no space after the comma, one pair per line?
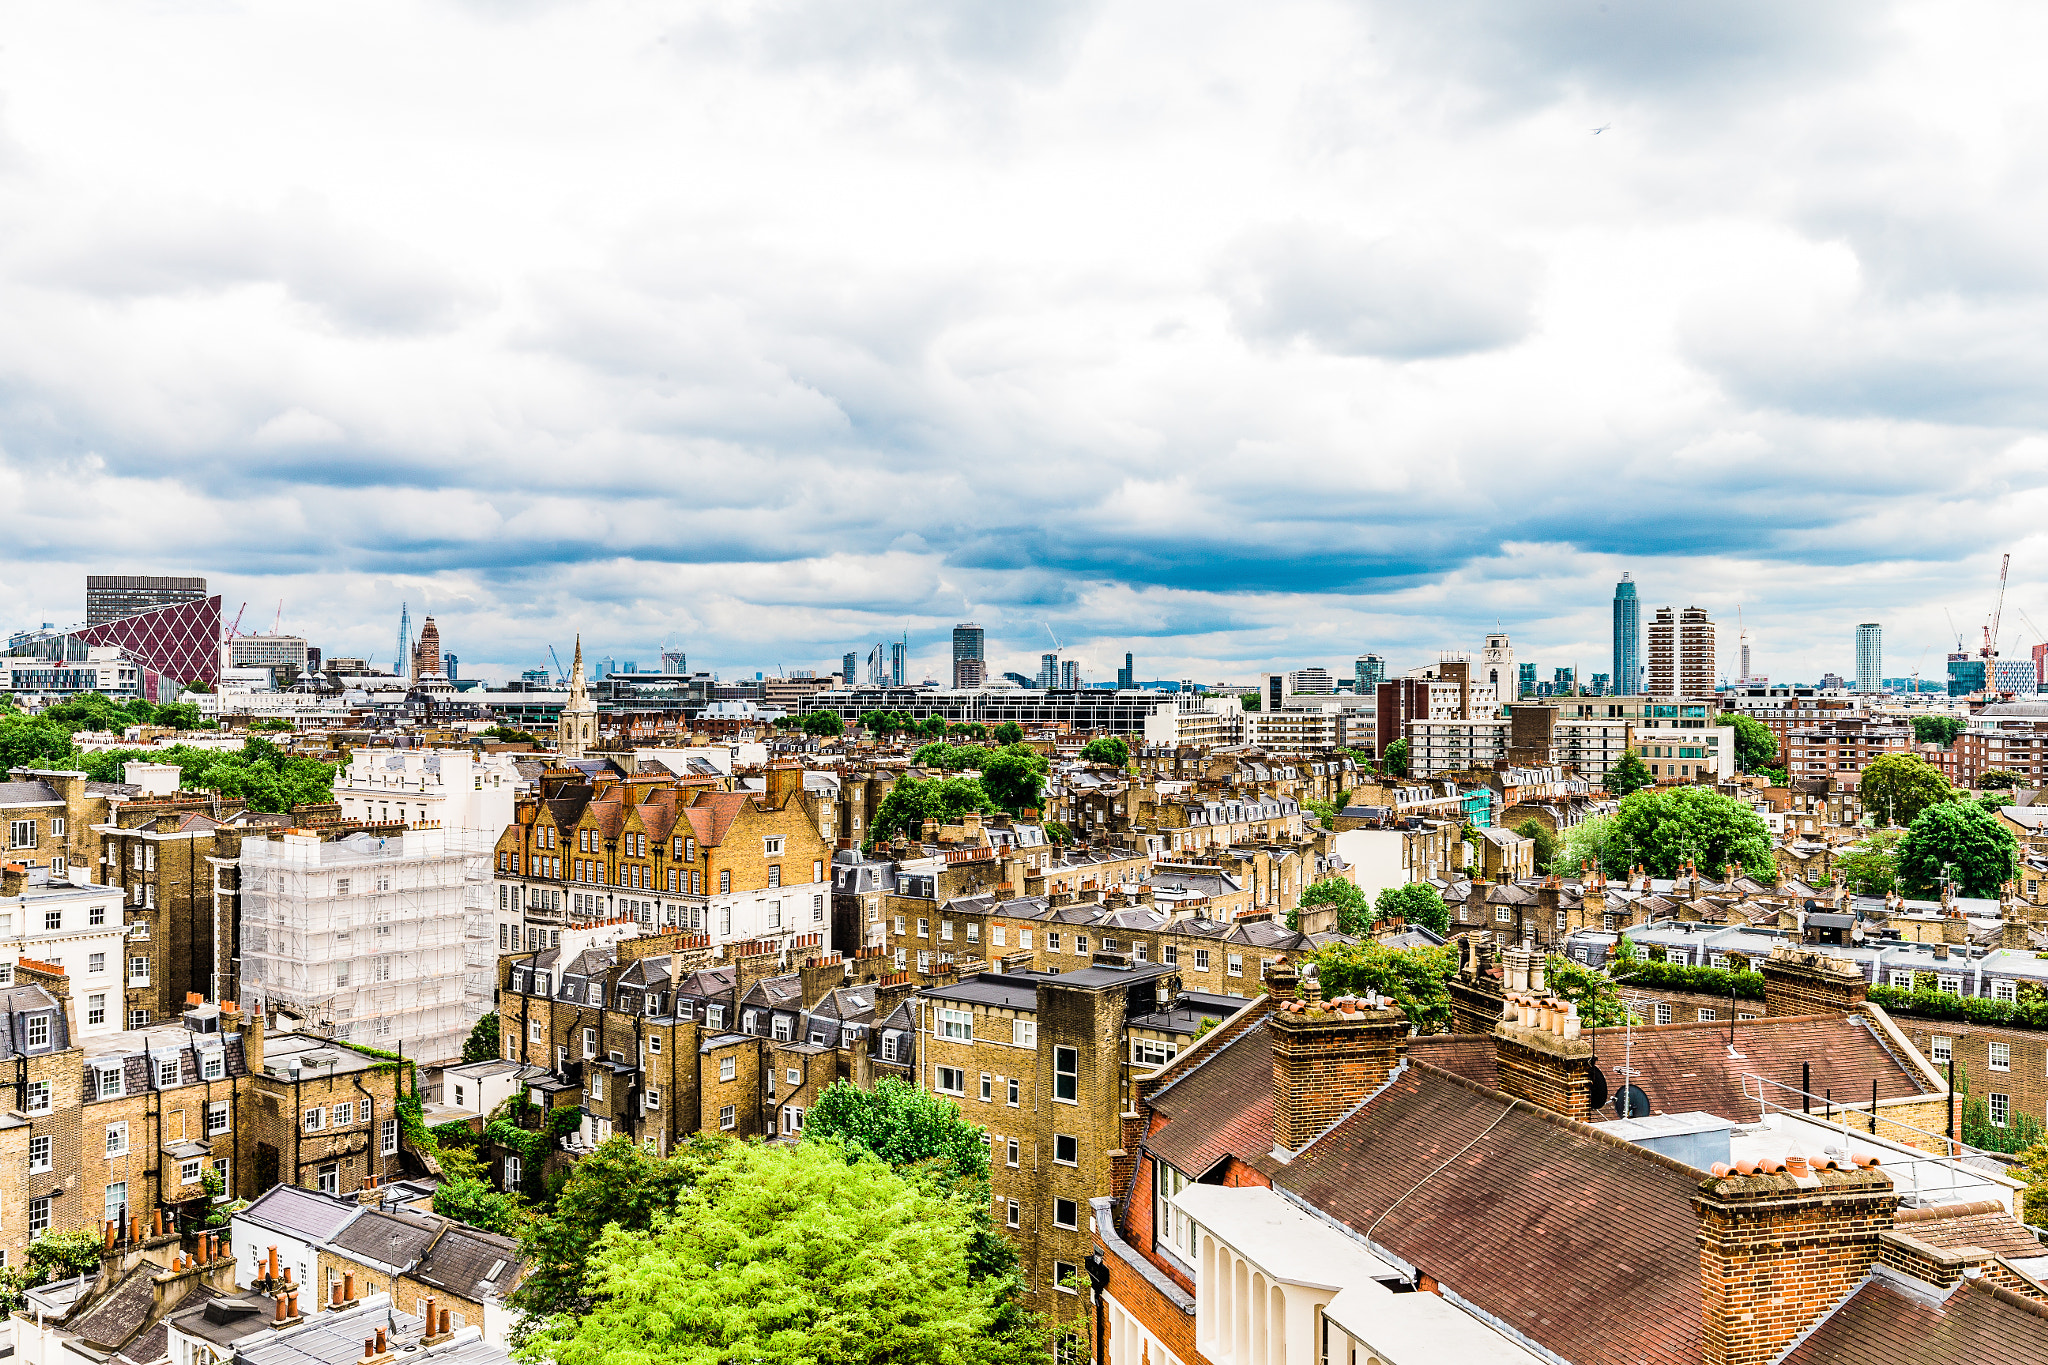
[371,939]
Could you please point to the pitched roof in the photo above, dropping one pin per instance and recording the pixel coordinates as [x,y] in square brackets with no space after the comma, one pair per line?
[302,1212]
[1221,1107]
[1983,1223]
[1491,1200]
[1686,1067]
[712,814]
[1883,1321]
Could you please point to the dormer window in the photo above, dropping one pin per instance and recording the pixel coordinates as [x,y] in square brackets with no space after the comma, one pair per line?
[38,1030]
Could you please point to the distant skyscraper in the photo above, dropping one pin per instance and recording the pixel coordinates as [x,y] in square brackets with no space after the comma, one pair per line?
[1314,680]
[1682,654]
[1070,674]
[401,660]
[1745,661]
[1628,637]
[849,668]
[967,647]
[1126,677]
[2041,667]
[1869,657]
[1048,670]
[1368,671]
[675,661]
[449,663]
[1600,684]
[1561,682]
[897,662]
[109,597]
[877,673]
[1525,680]
[2014,675]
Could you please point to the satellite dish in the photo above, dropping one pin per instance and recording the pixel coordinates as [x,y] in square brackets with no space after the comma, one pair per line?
[1598,1083]
[1632,1103]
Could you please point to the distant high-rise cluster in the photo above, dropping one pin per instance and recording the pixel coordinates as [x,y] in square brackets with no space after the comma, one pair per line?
[970,665]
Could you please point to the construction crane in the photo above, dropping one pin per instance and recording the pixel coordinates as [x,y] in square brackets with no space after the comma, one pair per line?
[1055,639]
[1990,650]
[561,674]
[236,628]
[278,624]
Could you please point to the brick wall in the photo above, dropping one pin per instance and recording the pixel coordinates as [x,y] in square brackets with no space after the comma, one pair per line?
[1546,1069]
[1798,981]
[1325,1061]
[1776,1252]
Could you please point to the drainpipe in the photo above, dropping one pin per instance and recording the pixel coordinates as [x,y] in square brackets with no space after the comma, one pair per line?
[1098,1285]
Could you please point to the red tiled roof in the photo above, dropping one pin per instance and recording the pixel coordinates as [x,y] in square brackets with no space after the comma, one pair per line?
[1975,1325]
[1556,1229]
[1685,1067]
[1984,1224]
[1224,1107]
[1470,1055]
[712,814]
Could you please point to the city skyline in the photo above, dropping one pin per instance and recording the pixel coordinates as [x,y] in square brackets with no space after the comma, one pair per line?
[1349,391]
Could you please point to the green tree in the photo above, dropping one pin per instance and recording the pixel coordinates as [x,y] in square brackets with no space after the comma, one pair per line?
[1755,746]
[1629,775]
[917,801]
[1354,912]
[271,725]
[1959,840]
[932,726]
[1897,787]
[1664,828]
[1014,777]
[259,773]
[32,742]
[1871,868]
[973,731]
[823,724]
[948,757]
[470,1199]
[1416,902]
[1594,992]
[1056,833]
[1394,758]
[1592,843]
[1940,730]
[1999,780]
[1412,977]
[507,734]
[482,1043]
[2033,1169]
[803,1254]
[1008,733]
[1108,749]
[1545,841]
[618,1185]
[1248,700]
[902,1125]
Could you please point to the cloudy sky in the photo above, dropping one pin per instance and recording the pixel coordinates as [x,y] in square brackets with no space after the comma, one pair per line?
[1238,336]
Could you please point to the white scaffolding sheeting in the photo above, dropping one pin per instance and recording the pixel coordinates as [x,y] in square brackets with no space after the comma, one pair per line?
[379,938]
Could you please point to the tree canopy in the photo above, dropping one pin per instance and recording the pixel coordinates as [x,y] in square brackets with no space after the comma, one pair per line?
[1871,868]
[618,1184]
[1110,749]
[915,801]
[1592,843]
[1999,780]
[1009,732]
[1665,828]
[1755,746]
[803,1254]
[1014,777]
[1354,912]
[1897,787]
[482,1044]
[1416,902]
[822,724]
[903,1126]
[260,773]
[1412,977]
[1394,758]
[1940,730]
[1629,775]
[1960,840]
[1546,842]
[951,758]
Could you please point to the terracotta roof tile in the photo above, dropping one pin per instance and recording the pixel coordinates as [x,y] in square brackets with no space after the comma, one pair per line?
[1686,1067]
[1973,1326]
[1223,1107]
[1470,1055]
[1493,1201]
[1983,1224]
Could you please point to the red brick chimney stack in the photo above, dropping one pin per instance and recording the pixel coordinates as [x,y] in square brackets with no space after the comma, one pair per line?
[1327,1058]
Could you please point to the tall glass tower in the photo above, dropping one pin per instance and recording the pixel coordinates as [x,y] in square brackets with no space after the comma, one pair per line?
[1869,657]
[1628,638]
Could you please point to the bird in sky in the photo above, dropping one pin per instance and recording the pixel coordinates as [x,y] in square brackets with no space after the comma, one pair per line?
[1601,129]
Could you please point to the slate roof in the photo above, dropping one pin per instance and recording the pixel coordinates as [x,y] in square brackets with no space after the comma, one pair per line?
[1527,1193]
[28,793]
[119,1315]
[1221,1107]
[1881,1321]
[1686,1067]
[470,1262]
[390,1239]
[301,1212]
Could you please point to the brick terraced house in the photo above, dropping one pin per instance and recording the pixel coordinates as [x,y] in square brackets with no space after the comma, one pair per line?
[1309,1183]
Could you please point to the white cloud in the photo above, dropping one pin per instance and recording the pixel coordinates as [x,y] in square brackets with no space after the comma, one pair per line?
[1231,336]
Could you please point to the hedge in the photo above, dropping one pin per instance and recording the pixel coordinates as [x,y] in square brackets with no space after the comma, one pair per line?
[1700,980]
[2031,1012]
